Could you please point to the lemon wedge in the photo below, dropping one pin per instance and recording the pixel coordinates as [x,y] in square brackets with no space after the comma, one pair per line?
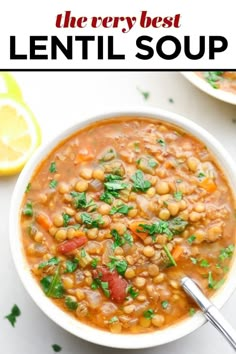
[9,86]
[20,135]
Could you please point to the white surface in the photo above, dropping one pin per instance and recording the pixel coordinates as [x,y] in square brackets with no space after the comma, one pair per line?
[59,100]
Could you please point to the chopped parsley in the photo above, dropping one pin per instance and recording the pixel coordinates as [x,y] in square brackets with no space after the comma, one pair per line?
[119,265]
[133,293]
[159,227]
[28,209]
[52,167]
[28,188]
[71,265]
[204,263]
[201,175]
[139,183]
[97,283]
[66,219]
[15,312]
[145,94]
[50,262]
[83,253]
[56,348]
[119,240]
[226,252]
[114,186]
[94,262]
[170,257]
[111,177]
[52,285]
[113,319]
[89,221]
[192,311]
[149,314]
[128,238]
[178,196]
[53,183]
[193,260]
[70,303]
[152,163]
[108,155]
[164,304]
[161,142]
[108,197]
[121,208]
[80,200]
[213,78]
[213,284]
[191,239]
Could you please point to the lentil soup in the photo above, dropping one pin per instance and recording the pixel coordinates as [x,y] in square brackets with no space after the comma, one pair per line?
[118,213]
[222,80]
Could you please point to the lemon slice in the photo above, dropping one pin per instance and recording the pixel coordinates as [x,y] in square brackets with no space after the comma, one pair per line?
[19,135]
[9,86]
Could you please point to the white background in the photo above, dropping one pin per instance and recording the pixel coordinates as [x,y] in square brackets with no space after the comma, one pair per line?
[26,17]
[59,100]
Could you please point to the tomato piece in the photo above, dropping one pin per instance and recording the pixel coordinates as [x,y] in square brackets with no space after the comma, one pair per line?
[116,284]
[71,245]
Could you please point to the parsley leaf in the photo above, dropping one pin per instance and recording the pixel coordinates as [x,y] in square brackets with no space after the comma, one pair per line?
[159,227]
[28,209]
[213,284]
[15,312]
[193,260]
[119,265]
[191,239]
[191,311]
[107,197]
[145,94]
[152,163]
[140,184]
[52,167]
[70,303]
[133,293]
[28,188]
[89,221]
[94,262]
[204,263]
[122,209]
[118,239]
[66,219]
[201,175]
[170,257]
[56,348]
[115,185]
[111,177]
[80,200]
[128,238]
[149,314]
[226,252]
[52,285]
[113,319]
[53,183]
[178,196]
[161,142]
[213,78]
[51,261]
[164,304]
[71,265]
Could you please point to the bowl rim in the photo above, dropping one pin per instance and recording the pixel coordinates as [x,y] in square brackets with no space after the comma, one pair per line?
[64,320]
[200,83]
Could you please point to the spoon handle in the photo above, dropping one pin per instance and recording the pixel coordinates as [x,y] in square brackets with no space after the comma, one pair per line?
[212,314]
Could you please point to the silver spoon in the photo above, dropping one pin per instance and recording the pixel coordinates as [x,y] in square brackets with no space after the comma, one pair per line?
[211,313]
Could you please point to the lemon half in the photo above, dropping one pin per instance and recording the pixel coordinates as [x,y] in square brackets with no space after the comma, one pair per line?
[20,135]
[9,87]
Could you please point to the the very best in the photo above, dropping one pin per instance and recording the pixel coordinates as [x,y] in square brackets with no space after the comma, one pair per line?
[67,20]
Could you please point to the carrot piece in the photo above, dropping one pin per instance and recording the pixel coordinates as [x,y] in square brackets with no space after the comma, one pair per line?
[44,221]
[137,229]
[208,184]
[177,252]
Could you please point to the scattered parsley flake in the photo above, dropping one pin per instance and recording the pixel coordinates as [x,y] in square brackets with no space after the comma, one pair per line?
[192,311]
[52,167]
[56,348]
[178,196]
[164,304]
[28,209]
[15,312]
[191,239]
[28,188]
[53,183]
[145,94]
[149,314]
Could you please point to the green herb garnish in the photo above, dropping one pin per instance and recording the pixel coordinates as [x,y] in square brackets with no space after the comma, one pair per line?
[50,262]
[94,262]
[70,303]
[71,265]
[119,265]
[28,209]
[53,183]
[52,167]
[161,142]
[178,196]
[122,209]
[80,200]
[133,293]
[152,163]
[145,94]
[66,219]
[113,319]
[192,311]
[89,221]
[139,183]
[56,348]
[149,314]
[204,263]
[28,188]
[191,239]
[15,312]
[164,304]
[52,285]
[169,255]
[226,252]
[193,260]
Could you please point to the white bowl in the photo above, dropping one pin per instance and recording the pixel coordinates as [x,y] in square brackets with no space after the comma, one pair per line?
[66,321]
[203,85]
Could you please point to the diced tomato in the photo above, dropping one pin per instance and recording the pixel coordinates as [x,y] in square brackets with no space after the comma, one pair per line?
[71,245]
[116,284]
